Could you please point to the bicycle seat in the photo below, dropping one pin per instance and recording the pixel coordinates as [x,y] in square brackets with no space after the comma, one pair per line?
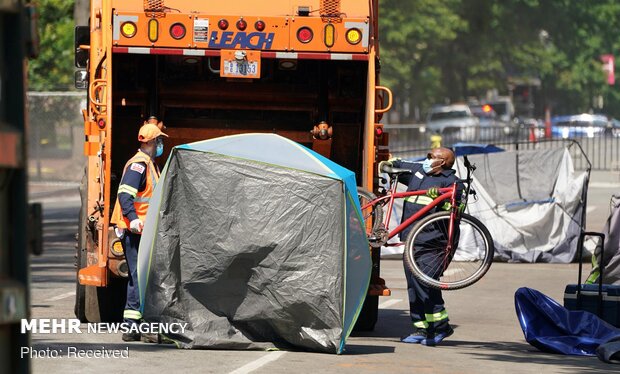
[392,170]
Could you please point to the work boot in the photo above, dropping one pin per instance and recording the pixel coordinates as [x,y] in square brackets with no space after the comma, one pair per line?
[438,336]
[416,336]
[131,337]
[151,338]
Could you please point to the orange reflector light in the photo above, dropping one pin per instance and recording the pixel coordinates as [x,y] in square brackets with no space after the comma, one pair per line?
[354,36]
[153,30]
[128,29]
[259,25]
[329,35]
[117,248]
[304,35]
[177,31]
[241,24]
[486,108]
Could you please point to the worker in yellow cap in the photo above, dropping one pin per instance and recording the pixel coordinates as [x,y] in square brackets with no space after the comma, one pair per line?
[140,175]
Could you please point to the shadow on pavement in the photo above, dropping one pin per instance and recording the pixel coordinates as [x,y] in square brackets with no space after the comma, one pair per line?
[524,353]
[362,349]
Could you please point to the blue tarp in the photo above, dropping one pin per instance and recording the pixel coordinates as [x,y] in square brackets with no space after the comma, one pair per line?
[550,327]
[461,149]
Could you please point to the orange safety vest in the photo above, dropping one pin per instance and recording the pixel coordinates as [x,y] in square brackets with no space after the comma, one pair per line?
[141,200]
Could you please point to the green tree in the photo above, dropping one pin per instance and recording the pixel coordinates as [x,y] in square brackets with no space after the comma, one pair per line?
[53,69]
[581,32]
[412,34]
[436,51]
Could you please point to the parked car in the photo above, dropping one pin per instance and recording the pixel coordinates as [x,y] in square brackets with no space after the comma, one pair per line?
[492,127]
[614,130]
[503,107]
[531,128]
[583,125]
[455,122]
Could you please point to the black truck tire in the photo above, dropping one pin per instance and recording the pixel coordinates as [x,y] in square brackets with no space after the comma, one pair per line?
[368,316]
[80,290]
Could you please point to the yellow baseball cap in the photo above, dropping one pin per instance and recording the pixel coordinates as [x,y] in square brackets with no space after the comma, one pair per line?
[149,132]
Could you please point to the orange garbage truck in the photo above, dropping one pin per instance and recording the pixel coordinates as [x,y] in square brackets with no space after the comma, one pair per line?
[307,70]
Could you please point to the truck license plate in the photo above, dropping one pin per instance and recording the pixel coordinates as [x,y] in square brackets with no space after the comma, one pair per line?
[235,68]
[240,64]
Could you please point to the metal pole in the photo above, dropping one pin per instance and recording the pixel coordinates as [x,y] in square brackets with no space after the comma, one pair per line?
[37,148]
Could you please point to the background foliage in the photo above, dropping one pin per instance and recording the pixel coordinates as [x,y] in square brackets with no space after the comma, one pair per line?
[436,51]
[53,69]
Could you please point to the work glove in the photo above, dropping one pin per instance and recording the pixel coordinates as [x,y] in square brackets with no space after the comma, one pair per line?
[136,226]
[448,206]
[433,192]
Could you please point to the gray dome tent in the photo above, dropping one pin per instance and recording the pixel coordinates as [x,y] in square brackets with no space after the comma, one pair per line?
[256,242]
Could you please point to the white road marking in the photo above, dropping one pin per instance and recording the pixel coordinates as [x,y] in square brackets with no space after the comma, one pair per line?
[590,209]
[604,185]
[256,364]
[389,303]
[61,296]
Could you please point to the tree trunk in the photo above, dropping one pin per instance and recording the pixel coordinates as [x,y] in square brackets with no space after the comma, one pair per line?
[81,12]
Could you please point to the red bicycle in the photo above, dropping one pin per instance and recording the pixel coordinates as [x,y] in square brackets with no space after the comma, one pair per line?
[447,250]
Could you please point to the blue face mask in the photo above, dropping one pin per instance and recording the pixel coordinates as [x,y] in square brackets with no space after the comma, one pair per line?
[160,148]
[427,165]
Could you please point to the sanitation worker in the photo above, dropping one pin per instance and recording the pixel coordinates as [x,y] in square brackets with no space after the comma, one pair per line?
[426,304]
[140,175]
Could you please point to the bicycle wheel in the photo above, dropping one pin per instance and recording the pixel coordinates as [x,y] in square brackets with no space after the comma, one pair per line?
[427,257]
[373,216]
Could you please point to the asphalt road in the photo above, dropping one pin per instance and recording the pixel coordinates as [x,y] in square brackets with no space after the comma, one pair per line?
[487,336]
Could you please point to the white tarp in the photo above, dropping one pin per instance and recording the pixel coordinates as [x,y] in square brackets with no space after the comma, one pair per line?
[611,263]
[531,202]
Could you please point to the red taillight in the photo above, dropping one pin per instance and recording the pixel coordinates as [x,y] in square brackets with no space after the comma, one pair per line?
[259,25]
[304,35]
[378,131]
[101,123]
[222,24]
[177,31]
[241,24]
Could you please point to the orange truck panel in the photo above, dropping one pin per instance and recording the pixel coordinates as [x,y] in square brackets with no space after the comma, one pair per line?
[133,29]
[326,47]
[352,8]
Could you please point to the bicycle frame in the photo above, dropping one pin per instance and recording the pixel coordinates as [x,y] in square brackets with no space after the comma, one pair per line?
[445,194]
[437,236]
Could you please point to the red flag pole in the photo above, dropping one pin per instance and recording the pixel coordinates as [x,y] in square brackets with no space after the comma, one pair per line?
[547,123]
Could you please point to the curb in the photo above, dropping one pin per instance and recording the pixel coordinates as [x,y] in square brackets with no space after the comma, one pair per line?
[54,192]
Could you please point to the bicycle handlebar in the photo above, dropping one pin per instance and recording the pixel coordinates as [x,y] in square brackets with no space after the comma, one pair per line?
[470,169]
[394,172]
[468,164]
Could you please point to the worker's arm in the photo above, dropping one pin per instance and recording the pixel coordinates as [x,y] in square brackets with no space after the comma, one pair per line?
[134,180]
[402,164]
